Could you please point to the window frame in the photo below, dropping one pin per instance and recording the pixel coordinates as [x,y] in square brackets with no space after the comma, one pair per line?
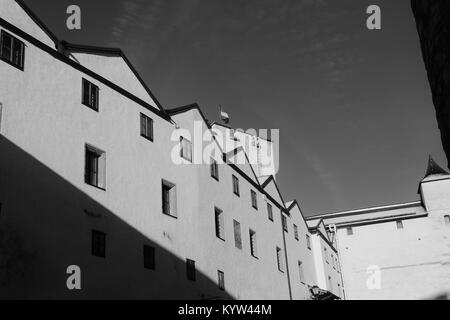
[14,40]
[253,244]
[214,169]
[301,272]
[235,182]
[100,170]
[284,223]
[280,264]
[182,153]
[349,231]
[98,243]
[399,224]
[172,202]
[270,211]
[219,223]
[308,241]
[90,85]
[221,280]
[144,119]
[191,272]
[296,236]
[237,235]
[254,198]
[149,255]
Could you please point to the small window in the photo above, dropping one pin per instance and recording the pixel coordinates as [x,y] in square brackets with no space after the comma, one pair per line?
[269,211]
[295,232]
[333,261]
[399,224]
[349,231]
[214,169]
[95,167]
[326,255]
[235,185]
[149,257]
[284,222]
[237,234]
[190,269]
[90,95]
[301,272]
[12,50]
[308,241]
[220,233]
[146,127]
[186,149]
[280,259]
[330,284]
[169,198]
[98,243]
[447,219]
[254,201]
[1,112]
[253,248]
[221,279]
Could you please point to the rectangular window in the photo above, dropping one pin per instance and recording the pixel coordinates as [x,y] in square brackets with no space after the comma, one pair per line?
[237,234]
[220,232]
[90,94]
[301,272]
[446,217]
[12,50]
[295,232]
[254,201]
[169,198]
[330,284]
[149,257]
[399,224]
[269,211]
[326,255]
[332,261]
[146,127]
[308,241]
[253,248]
[280,259]
[349,231]
[214,169]
[190,269]
[186,149]
[95,167]
[221,279]
[1,112]
[235,185]
[98,243]
[284,222]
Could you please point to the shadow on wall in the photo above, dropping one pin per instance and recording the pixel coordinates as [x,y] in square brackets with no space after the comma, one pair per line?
[46,225]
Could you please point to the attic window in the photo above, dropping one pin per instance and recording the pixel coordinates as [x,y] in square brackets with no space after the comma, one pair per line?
[349,231]
[399,224]
[90,95]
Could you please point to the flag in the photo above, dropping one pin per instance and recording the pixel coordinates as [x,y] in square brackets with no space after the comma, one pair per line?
[224,116]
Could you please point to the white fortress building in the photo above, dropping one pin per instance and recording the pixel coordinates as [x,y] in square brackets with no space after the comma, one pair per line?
[399,251]
[97,176]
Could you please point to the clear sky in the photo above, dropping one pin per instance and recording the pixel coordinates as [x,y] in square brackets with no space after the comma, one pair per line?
[353,106]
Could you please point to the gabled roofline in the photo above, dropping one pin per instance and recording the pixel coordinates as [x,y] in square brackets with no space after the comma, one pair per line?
[188,107]
[266,183]
[112,51]
[38,21]
[59,56]
[234,151]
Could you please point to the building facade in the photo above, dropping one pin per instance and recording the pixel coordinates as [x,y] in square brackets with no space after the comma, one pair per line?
[95,173]
[397,251]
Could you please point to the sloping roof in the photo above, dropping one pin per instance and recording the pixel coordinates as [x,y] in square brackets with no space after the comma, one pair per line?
[116,52]
[38,21]
[434,169]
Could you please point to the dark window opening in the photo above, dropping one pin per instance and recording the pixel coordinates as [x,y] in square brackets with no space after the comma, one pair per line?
[98,243]
[90,95]
[12,50]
